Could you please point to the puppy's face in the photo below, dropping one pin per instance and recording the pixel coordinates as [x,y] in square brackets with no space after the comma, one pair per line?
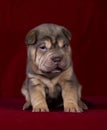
[49,48]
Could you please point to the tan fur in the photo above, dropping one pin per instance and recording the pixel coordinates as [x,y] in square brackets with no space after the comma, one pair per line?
[48,44]
[60,43]
[42,73]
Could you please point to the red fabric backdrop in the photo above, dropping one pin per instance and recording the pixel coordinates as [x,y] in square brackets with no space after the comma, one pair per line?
[86,19]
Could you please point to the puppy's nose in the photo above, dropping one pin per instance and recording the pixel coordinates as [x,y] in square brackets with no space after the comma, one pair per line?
[56,59]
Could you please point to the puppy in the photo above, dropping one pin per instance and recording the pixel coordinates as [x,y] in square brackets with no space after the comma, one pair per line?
[50,78]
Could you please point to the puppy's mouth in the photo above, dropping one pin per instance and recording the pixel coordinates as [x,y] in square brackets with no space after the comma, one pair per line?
[53,72]
[56,70]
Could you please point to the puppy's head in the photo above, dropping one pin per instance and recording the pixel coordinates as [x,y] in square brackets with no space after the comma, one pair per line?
[49,48]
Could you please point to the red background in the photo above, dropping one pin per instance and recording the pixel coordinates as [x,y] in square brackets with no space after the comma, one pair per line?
[86,19]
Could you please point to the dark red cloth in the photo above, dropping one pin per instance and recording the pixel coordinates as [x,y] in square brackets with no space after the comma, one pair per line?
[87,20]
[12,117]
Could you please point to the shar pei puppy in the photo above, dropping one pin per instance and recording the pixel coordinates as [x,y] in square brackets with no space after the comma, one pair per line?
[50,78]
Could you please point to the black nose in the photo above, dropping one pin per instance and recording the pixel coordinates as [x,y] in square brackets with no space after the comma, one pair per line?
[56,59]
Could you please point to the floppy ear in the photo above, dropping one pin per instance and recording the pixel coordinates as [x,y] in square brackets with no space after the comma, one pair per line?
[67,33]
[31,37]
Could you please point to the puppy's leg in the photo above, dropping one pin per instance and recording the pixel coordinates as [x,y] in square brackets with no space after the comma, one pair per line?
[25,92]
[38,99]
[80,102]
[70,97]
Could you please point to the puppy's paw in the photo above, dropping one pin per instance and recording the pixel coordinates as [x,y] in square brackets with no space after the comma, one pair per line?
[26,105]
[72,107]
[82,105]
[40,108]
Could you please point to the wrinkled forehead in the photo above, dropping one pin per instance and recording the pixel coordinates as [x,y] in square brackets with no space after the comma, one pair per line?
[50,41]
[51,37]
[50,32]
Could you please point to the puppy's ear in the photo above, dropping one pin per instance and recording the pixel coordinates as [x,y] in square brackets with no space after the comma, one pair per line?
[31,37]
[67,33]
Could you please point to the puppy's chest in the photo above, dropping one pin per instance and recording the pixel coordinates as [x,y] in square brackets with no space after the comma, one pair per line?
[53,91]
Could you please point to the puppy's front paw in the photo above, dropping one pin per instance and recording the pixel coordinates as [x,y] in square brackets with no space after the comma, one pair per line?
[72,107]
[82,105]
[26,105]
[40,108]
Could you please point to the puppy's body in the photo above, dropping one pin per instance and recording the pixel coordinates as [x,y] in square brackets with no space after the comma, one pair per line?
[50,72]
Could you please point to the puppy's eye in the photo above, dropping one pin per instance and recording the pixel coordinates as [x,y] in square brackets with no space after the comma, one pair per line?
[65,46]
[43,48]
